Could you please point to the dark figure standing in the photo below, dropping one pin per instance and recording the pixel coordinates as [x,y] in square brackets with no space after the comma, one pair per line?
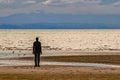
[37,51]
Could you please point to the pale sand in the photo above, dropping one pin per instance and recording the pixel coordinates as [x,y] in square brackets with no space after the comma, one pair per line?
[84,40]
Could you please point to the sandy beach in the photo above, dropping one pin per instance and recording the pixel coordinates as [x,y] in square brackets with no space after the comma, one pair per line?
[24,70]
[67,55]
[58,73]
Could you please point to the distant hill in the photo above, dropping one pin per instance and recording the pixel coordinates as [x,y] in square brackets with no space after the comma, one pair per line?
[58,26]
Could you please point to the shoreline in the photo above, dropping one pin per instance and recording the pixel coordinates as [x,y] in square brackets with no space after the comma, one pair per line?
[61,29]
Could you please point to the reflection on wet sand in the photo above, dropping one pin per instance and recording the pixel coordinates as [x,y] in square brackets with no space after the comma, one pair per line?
[75,64]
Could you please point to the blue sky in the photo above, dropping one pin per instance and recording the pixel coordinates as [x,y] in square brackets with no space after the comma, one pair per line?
[60,11]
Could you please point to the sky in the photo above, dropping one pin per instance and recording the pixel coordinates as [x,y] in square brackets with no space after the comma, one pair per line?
[60,11]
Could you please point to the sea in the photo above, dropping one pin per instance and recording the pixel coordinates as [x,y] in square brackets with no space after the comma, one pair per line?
[59,26]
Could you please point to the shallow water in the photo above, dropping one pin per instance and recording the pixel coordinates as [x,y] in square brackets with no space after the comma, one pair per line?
[31,63]
[62,53]
[11,55]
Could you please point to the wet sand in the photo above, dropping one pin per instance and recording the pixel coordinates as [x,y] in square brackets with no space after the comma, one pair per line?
[106,59]
[62,72]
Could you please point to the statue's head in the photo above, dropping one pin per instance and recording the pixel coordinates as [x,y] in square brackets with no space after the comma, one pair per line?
[37,38]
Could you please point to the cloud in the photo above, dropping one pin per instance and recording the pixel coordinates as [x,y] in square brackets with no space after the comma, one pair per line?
[29,2]
[58,7]
[117,4]
[47,2]
[6,1]
[109,1]
[63,2]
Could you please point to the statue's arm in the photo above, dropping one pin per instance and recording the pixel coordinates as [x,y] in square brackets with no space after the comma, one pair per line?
[40,49]
[33,48]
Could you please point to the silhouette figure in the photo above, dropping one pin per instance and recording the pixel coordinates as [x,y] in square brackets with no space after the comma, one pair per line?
[37,51]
